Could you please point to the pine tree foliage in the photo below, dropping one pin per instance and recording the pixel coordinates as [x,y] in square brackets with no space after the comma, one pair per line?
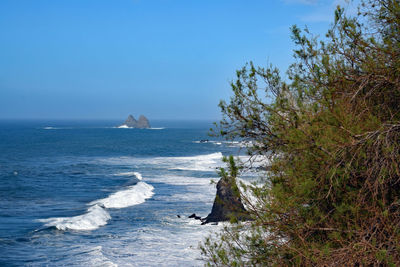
[331,195]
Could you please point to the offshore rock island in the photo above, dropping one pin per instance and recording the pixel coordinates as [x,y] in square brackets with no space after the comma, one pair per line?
[131,122]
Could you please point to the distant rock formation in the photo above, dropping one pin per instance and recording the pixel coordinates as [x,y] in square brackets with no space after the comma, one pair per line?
[130,122]
[143,122]
[227,203]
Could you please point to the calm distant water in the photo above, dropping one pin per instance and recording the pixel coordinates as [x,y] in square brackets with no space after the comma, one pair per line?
[87,194]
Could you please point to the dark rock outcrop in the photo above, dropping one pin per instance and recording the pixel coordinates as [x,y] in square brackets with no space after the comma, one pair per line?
[194,216]
[143,122]
[227,204]
[130,122]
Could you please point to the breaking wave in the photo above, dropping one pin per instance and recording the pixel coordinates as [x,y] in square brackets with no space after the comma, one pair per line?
[134,174]
[134,195]
[95,217]
[97,214]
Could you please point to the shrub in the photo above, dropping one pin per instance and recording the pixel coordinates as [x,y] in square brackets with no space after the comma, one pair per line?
[331,192]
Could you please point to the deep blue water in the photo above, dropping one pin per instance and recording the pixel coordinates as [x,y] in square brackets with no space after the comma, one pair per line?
[87,194]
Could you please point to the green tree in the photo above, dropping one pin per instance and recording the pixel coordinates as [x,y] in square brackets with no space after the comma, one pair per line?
[331,191]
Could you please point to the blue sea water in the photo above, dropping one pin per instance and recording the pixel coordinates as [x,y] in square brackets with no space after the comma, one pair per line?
[89,194]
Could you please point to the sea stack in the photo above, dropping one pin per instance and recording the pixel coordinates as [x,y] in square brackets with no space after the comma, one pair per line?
[143,122]
[227,203]
[131,122]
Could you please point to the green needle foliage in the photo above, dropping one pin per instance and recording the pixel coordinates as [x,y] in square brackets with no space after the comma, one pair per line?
[331,190]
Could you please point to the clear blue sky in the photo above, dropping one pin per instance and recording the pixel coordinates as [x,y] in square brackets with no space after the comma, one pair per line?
[167,59]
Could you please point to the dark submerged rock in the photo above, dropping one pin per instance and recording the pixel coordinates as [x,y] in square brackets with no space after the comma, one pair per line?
[194,216]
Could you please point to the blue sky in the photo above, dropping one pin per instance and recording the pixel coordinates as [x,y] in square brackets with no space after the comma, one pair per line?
[167,59]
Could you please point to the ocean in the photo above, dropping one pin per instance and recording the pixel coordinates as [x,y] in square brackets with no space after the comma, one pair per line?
[88,194]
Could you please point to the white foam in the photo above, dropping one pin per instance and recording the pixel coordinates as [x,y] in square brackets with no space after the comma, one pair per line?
[255,161]
[57,128]
[208,142]
[180,180]
[134,195]
[208,162]
[136,174]
[124,126]
[95,217]
[248,198]
[85,254]
[174,244]
[97,258]
[241,144]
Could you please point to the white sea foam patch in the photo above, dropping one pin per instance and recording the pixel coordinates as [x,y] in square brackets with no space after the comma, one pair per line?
[123,127]
[241,144]
[83,254]
[95,217]
[248,198]
[174,243]
[53,128]
[96,258]
[134,195]
[255,161]
[208,162]
[181,180]
[57,128]
[208,141]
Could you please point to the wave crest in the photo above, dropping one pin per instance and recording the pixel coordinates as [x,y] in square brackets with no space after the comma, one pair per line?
[134,195]
[93,219]
[97,214]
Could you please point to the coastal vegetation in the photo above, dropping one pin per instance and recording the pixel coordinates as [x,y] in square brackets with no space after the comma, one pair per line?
[329,141]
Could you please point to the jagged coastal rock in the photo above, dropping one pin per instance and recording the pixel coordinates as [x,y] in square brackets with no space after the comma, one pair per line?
[227,203]
[131,122]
